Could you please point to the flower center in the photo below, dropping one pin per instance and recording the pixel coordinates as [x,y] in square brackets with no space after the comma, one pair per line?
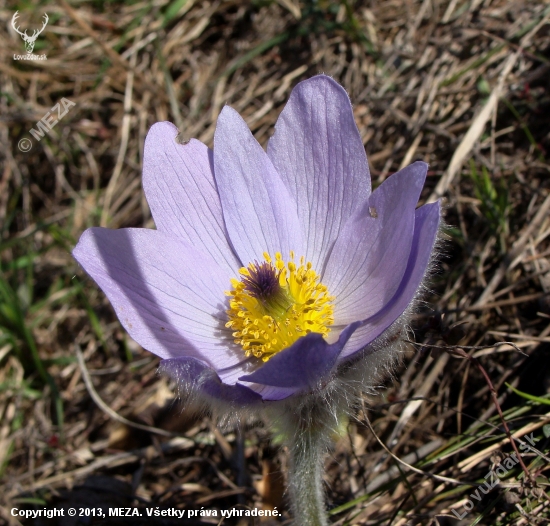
[274,304]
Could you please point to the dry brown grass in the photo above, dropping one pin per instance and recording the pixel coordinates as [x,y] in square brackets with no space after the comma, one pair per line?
[460,84]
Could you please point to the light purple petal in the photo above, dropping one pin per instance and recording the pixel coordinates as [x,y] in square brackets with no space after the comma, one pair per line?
[196,374]
[318,152]
[270,393]
[302,365]
[179,184]
[259,212]
[167,295]
[426,225]
[371,254]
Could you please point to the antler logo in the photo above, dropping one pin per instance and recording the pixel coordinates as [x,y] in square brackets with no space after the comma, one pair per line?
[29,40]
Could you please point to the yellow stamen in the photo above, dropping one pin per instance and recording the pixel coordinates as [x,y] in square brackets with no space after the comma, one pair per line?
[274,304]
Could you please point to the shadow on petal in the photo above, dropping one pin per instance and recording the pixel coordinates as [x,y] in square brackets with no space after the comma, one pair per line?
[192,374]
[167,295]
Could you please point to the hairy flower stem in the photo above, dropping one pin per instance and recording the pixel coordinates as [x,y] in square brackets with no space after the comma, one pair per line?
[310,432]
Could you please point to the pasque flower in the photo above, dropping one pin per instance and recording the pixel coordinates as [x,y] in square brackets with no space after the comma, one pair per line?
[272,279]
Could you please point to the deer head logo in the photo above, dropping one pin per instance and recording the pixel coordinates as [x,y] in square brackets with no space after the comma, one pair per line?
[29,40]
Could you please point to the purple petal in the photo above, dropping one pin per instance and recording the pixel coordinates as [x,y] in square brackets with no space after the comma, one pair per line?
[167,295]
[270,393]
[231,376]
[426,225]
[302,365]
[370,256]
[318,152]
[179,184]
[197,375]
[259,212]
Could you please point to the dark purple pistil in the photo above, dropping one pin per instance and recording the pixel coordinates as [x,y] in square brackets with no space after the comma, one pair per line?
[263,281]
